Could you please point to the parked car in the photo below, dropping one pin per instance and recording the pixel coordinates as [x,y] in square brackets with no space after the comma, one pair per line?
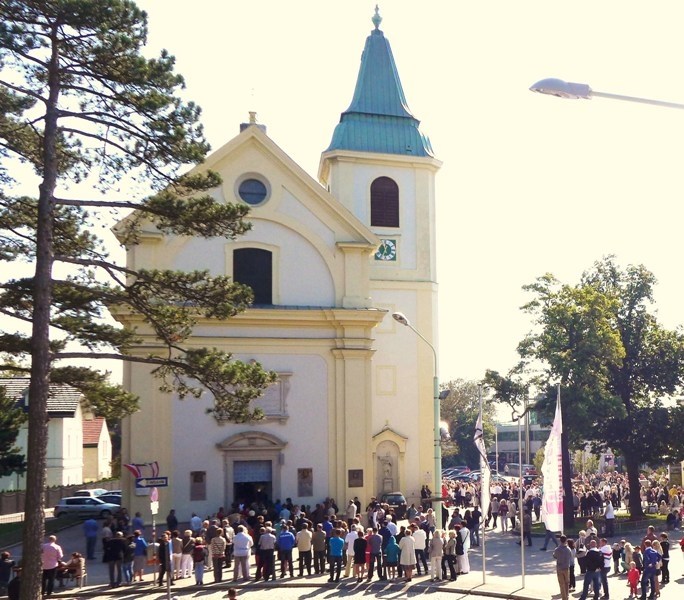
[111,497]
[495,477]
[84,506]
[396,501]
[94,493]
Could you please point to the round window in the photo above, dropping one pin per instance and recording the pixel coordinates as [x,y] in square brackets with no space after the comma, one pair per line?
[253,191]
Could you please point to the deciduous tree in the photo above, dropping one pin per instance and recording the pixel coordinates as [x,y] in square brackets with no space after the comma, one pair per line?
[617,365]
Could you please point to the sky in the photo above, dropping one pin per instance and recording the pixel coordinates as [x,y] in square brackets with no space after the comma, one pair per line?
[530,184]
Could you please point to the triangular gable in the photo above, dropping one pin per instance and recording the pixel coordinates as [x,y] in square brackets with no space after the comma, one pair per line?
[325,202]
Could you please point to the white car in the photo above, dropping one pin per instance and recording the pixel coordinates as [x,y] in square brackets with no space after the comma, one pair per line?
[84,506]
[91,493]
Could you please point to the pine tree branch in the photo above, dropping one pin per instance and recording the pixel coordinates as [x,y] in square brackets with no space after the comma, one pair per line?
[21,90]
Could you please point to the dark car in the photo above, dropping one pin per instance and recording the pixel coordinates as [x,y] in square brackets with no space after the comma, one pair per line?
[396,501]
[111,497]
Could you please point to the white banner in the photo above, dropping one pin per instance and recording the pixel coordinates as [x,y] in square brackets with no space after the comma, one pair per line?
[552,471]
[485,480]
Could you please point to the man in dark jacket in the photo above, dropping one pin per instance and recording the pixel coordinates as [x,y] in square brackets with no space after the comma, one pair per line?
[592,577]
[114,549]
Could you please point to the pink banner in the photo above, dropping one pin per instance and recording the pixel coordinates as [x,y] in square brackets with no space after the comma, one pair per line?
[552,471]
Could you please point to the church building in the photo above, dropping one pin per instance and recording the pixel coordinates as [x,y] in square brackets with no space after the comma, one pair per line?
[329,261]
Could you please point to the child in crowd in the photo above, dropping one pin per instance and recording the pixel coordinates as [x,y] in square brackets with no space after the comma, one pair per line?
[633,576]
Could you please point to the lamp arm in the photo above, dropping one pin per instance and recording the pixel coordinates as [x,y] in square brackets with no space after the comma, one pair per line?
[636,99]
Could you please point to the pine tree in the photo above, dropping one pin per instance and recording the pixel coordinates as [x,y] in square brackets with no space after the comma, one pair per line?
[80,102]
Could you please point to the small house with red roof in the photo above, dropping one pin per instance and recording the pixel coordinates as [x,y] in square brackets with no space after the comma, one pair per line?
[97,449]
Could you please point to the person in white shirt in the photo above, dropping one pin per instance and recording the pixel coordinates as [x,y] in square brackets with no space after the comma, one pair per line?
[420,540]
[391,525]
[349,545]
[351,512]
[242,545]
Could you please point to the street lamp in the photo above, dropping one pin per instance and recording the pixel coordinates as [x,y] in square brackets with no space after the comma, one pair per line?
[401,318]
[581,91]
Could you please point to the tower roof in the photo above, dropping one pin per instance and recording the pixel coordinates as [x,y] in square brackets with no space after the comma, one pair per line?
[378,118]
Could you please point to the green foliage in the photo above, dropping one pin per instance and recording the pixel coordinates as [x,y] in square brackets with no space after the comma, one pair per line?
[538,459]
[585,462]
[616,364]
[460,410]
[11,420]
[79,101]
[77,97]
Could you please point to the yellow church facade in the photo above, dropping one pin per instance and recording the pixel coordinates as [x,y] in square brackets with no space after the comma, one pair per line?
[329,260]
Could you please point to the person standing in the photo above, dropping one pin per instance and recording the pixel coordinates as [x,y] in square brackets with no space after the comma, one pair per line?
[564,560]
[407,556]
[462,549]
[139,555]
[420,542]
[164,558]
[286,542]
[217,549]
[138,523]
[665,545]
[114,550]
[436,553]
[609,516]
[319,544]
[607,554]
[349,547]
[187,544]
[51,554]
[242,544]
[375,547]
[594,564]
[336,544]
[304,545]
[449,556]
[267,544]
[649,574]
[199,551]
[90,531]
[172,520]
[351,513]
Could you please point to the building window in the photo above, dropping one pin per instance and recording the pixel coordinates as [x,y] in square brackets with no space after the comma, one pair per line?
[254,267]
[384,203]
[253,191]
[198,485]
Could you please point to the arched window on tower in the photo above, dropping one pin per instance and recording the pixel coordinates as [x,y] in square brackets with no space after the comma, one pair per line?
[384,203]
[254,267]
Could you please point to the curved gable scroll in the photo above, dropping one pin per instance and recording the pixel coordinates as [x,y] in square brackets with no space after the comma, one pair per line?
[251,441]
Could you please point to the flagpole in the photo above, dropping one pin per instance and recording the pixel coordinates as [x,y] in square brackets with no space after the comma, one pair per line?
[484,480]
[521,505]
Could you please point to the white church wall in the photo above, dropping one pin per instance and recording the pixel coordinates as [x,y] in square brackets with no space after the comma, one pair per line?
[305,431]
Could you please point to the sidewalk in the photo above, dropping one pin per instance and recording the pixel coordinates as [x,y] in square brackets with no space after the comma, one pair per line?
[502,579]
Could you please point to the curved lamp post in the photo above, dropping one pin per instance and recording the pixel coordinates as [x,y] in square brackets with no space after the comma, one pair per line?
[401,318]
[581,91]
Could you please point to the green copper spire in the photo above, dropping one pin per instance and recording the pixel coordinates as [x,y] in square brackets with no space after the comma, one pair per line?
[378,118]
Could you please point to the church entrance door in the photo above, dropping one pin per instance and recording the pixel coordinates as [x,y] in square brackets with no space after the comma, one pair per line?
[252,481]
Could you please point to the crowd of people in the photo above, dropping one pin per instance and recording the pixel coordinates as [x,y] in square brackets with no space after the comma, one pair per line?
[341,544]
[282,538]
[644,565]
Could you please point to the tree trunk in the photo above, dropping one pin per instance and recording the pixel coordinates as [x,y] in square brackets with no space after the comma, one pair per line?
[36,455]
[632,464]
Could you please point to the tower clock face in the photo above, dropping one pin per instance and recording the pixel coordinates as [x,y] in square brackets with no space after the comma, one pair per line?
[387,250]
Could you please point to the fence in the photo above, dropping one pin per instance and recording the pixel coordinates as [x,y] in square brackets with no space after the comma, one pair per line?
[13,502]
